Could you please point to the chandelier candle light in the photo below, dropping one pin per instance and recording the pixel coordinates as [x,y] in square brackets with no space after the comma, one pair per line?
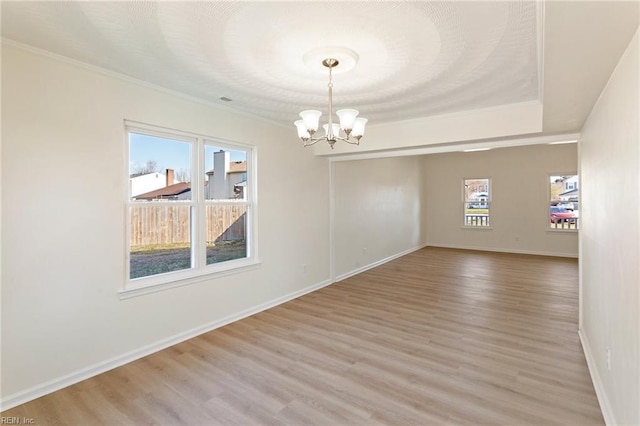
[350,124]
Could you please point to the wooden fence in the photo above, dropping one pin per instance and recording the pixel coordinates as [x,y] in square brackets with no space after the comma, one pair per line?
[164,224]
[226,222]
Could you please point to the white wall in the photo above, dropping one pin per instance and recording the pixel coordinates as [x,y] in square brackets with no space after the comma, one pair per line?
[519,193]
[64,183]
[495,122]
[610,241]
[378,211]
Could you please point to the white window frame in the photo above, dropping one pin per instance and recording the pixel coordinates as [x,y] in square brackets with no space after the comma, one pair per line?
[199,270]
[464,203]
[548,219]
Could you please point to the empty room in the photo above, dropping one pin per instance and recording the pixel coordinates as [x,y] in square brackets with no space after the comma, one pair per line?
[323,213]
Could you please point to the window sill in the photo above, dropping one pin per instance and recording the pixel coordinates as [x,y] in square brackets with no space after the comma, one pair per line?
[187,278]
[477,228]
[562,231]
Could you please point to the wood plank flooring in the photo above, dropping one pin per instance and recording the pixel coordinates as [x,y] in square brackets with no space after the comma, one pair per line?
[440,336]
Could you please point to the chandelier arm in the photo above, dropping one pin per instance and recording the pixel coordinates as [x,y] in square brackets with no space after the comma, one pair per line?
[347,140]
[313,141]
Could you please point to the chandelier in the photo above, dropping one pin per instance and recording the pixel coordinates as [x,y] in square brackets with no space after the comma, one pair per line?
[350,124]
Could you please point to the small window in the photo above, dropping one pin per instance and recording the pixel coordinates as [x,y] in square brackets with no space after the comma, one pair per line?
[564,202]
[189,206]
[477,202]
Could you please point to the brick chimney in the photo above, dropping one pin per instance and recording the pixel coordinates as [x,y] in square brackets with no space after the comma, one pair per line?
[170,180]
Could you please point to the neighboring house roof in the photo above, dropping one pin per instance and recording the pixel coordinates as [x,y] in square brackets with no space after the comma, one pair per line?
[166,192]
[135,175]
[237,167]
[234,167]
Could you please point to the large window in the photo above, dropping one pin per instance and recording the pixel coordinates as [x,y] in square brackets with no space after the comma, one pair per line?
[476,202]
[564,202]
[190,206]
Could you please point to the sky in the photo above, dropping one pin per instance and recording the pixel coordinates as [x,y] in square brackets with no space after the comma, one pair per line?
[169,154]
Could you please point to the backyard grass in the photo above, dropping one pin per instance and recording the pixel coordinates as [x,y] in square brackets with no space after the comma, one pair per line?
[162,258]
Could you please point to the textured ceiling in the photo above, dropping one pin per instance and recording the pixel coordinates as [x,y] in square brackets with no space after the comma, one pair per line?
[415,59]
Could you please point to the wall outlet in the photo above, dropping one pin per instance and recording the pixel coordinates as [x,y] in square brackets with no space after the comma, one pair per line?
[304,268]
[608,358]
[364,250]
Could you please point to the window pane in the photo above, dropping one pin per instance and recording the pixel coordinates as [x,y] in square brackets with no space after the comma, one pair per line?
[159,168]
[226,232]
[160,239]
[226,174]
[476,202]
[564,203]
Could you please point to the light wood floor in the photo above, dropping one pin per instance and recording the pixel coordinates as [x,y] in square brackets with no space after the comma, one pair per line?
[436,337]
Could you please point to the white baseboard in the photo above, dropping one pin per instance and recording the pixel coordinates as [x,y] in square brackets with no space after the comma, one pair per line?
[505,250]
[377,263]
[109,364]
[605,405]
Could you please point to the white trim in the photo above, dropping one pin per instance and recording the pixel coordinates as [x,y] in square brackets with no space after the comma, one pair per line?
[332,222]
[190,276]
[164,132]
[109,364]
[562,231]
[476,149]
[252,194]
[453,147]
[377,263]
[198,226]
[603,400]
[505,250]
[562,142]
[126,197]
[580,250]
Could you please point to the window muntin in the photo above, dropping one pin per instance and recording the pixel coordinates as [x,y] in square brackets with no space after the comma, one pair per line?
[564,202]
[179,227]
[476,202]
